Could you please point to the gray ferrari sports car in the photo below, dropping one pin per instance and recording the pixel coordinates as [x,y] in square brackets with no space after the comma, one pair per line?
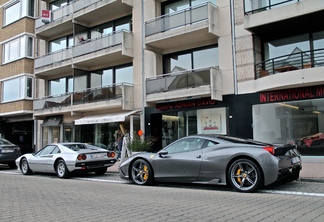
[244,164]
[65,158]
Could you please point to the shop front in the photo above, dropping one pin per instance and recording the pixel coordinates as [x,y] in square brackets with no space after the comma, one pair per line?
[99,130]
[174,120]
[291,116]
[282,116]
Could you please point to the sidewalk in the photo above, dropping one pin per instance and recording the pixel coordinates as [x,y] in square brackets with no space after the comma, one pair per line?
[313,168]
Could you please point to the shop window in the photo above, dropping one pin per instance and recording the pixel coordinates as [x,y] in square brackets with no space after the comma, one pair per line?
[17,89]
[288,122]
[17,10]
[18,48]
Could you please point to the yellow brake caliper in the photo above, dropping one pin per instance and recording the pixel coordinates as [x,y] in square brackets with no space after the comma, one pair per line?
[238,172]
[146,175]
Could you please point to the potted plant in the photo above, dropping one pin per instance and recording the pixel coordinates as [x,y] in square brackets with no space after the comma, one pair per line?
[138,144]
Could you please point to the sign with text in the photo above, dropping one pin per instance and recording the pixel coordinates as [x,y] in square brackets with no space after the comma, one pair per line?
[46,16]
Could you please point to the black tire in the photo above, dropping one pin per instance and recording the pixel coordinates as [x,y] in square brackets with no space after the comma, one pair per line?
[244,176]
[101,171]
[141,172]
[12,165]
[61,169]
[24,167]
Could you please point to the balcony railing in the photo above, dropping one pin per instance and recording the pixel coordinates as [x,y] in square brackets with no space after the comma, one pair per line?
[177,19]
[92,45]
[295,61]
[180,80]
[81,97]
[82,48]
[255,6]
[66,10]
[53,57]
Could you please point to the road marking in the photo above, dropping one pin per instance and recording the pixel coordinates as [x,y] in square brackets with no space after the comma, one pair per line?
[99,180]
[293,193]
[10,172]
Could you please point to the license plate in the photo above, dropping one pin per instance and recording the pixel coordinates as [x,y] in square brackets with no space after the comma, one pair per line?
[7,151]
[295,160]
[97,156]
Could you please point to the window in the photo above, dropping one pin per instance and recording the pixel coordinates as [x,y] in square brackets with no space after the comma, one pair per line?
[186,145]
[60,86]
[60,43]
[17,89]
[191,59]
[17,10]
[183,4]
[18,48]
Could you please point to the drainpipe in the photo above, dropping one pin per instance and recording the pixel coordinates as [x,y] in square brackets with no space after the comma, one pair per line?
[233,46]
[143,70]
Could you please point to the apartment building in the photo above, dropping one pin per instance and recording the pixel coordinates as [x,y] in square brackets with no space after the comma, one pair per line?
[279,58]
[94,56]
[167,67]
[16,72]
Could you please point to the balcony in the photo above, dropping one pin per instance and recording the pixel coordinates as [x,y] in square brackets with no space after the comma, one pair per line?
[181,85]
[199,24]
[61,22]
[291,62]
[269,18]
[86,12]
[112,96]
[113,48]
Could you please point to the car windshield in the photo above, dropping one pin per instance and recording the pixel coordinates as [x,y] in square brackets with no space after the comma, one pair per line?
[4,142]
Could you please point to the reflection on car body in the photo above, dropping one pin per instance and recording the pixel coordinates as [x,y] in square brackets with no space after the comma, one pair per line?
[64,158]
[244,164]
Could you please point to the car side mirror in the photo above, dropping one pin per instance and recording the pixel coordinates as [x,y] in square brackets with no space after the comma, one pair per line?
[162,153]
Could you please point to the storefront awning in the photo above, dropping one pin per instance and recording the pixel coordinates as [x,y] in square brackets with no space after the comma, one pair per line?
[52,121]
[105,118]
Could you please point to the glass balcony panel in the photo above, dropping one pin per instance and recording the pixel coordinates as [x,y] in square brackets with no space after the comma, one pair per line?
[77,5]
[176,81]
[98,44]
[177,19]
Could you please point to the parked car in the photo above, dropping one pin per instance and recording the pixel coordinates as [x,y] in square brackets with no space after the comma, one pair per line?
[9,152]
[65,158]
[244,164]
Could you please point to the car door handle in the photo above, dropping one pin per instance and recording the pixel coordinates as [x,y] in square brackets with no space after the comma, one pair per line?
[199,156]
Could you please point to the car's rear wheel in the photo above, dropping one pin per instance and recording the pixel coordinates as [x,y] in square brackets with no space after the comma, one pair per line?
[61,169]
[244,175]
[101,171]
[24,167]
[141,172]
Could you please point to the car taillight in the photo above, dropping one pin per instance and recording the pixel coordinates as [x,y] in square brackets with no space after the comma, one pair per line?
[111,154]
[270,149]
[82,157]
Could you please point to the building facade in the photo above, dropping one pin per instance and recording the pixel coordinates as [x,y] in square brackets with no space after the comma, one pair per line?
[16,72]
[249,68]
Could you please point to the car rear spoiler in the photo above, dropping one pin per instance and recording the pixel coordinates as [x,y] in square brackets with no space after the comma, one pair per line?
[283,149]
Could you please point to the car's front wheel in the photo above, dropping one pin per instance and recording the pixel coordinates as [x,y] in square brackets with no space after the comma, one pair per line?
[24,167]
[141,172]
[61,169]
[244,175]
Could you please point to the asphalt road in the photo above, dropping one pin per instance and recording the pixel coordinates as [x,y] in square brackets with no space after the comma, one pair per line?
[42,197]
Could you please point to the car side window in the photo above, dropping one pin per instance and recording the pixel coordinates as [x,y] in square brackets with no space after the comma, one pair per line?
[209,143]
[56,150]
[185,145]
[46,150]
